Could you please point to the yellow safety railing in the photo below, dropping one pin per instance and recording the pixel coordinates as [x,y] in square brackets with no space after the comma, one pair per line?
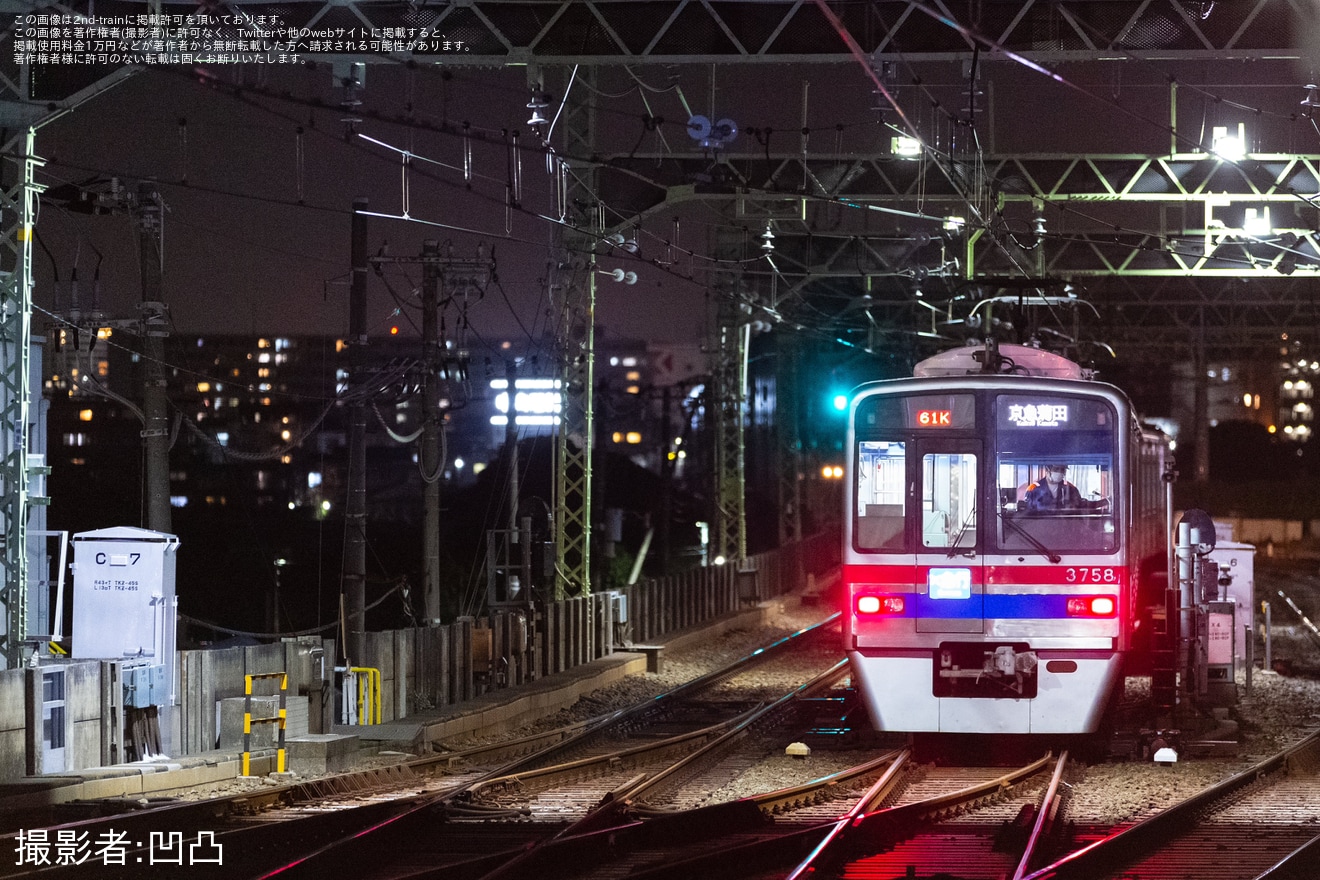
[367,692]
[278,719]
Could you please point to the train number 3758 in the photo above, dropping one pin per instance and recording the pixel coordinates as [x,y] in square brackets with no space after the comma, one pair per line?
[1095,575]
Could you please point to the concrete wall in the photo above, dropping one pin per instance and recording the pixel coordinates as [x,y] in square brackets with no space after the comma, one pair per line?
[13,723]
[1264,531]
[82,705]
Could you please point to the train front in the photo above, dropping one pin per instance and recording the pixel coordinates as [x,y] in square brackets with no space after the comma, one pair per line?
[986,576]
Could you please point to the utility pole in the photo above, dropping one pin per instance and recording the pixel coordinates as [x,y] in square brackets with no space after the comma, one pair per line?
[1201,407]
[442,277]
[154,329]
[511,446]
[354,581]
[432,425]
[668,461]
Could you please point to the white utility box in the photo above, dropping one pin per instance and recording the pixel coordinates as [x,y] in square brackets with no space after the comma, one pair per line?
[123,595]
[1237,584]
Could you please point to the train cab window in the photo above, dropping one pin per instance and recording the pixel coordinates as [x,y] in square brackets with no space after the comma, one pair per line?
[881,477]
[948,500]
[1055,477]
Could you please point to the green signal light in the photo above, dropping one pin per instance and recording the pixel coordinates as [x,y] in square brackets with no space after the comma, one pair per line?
[840,402]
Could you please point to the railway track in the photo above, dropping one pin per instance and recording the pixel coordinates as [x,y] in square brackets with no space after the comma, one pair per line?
[636,794]
[298,830]
[1261,823]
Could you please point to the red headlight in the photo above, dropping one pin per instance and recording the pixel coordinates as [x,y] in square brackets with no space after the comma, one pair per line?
[880,604]
[1092,606]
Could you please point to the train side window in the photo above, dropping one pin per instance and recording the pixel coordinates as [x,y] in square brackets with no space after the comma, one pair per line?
[879,506]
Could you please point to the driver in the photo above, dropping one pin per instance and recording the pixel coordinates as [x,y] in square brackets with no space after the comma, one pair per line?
[1054,492]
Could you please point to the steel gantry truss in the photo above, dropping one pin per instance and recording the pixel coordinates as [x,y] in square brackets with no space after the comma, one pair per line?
[1146,239]
[604,32]
[1191,268]
[17,205]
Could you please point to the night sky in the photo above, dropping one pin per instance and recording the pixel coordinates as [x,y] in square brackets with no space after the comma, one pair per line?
[242,255]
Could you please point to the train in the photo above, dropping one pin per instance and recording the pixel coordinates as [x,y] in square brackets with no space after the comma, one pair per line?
[971,607]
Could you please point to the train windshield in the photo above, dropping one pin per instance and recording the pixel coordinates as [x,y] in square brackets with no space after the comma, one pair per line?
[1054,470]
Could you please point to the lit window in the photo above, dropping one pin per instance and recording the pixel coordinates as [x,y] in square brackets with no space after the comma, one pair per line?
[629,362]
[633,376]
[633,389]
[313,479]
[104,333]
[84,415]
[285,435]
[77,461]
[633,437]
[263,358]
[222,438]
[263,372]
[103,368]
[178,501]
[203,387]
[263,343]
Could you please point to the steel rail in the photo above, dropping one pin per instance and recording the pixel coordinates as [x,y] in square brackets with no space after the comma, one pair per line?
[334,857]
[613,813]
[873,832]
[1045,815]
[1297,865]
